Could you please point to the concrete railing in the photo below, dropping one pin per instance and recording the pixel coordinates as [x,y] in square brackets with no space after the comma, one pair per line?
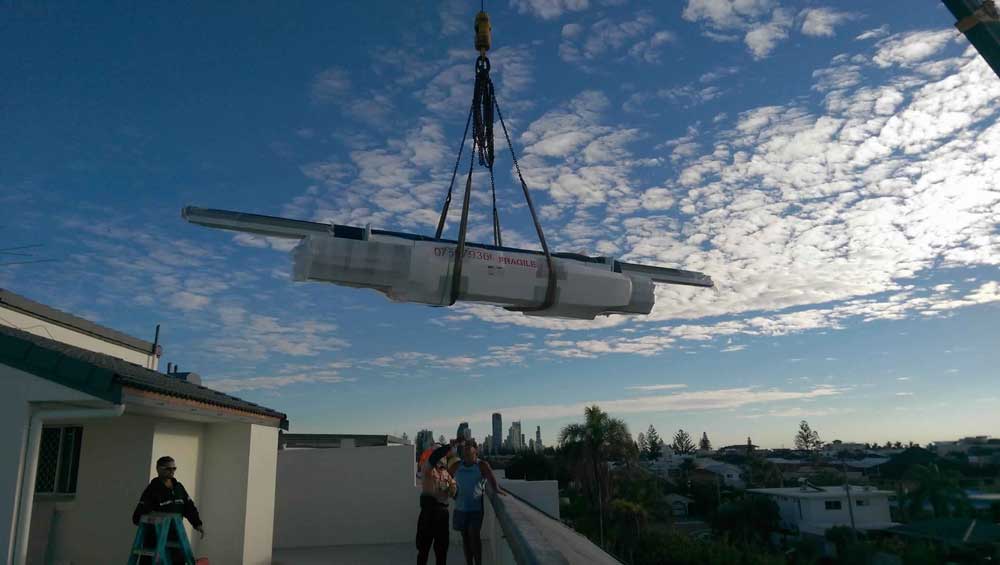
[525,535]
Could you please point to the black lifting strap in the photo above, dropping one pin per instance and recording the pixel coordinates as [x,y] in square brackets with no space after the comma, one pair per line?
[550,288]
[451,186]
[481,116]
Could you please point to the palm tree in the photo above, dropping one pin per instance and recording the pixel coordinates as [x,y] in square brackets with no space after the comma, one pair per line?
[939,488]
[595,442]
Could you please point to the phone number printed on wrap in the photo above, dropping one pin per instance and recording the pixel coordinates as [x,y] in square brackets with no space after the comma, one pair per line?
[483,255]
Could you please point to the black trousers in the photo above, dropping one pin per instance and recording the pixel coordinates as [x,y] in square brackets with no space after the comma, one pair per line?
[432,530]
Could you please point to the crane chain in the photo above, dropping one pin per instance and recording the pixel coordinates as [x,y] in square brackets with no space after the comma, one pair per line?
[481,113]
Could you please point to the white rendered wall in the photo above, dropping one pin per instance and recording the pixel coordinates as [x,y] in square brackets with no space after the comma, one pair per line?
[224,491]
[261,480]
[21,321]
[543,495]
[20,388]
[875,512]
[238,486]
[364,495]
[182,441]
[95,526]
[814,511]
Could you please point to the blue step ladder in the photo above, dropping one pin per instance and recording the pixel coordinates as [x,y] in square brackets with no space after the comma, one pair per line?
[161,526]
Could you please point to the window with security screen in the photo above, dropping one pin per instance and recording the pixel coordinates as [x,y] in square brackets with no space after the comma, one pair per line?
[58,460]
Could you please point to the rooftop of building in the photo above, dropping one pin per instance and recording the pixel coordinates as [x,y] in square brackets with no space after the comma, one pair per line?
[105,376]
[324,441]
[820,492]
[58,317]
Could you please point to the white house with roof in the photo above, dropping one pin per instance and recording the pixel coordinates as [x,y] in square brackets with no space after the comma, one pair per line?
[81,427]
[813,510]
[730,475]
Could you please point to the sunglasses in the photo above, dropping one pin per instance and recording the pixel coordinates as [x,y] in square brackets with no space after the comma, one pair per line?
[169,468]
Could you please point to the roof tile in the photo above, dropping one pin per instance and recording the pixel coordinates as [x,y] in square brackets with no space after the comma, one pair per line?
[104,375]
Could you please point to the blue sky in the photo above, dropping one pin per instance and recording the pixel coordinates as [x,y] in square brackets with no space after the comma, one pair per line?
[833,166]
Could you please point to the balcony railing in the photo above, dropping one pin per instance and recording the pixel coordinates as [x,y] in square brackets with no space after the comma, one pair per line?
[525,535]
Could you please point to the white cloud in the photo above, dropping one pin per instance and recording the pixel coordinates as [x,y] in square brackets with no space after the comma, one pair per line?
[762,38]
[334,86]
[454,15]
[650,388]
[650,50]
[780,324]
[726,14]
[686,96]
[906,49]
[820,22]
[688,401]
[187,301]
[549,9]
[718,74]
[876,33]
[497,356]
[636,38]
[330,85]
[256,336]
[236,384]
[797,412]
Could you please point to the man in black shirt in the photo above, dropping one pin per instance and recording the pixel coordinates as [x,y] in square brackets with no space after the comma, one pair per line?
[167,494]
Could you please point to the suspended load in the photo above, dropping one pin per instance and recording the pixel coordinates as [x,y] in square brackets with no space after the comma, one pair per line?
[441,272]
[414,268]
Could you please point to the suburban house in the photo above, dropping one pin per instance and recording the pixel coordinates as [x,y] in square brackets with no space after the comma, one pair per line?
[668,464]
[738,449]
[680,506]
[979,450]
[838,448]
[730,475]
[83,422]
[813,510]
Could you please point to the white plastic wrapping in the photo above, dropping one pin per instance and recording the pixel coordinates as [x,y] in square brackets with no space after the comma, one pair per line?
[408,270]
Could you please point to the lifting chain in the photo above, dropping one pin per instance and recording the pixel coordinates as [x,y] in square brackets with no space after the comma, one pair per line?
[481,113]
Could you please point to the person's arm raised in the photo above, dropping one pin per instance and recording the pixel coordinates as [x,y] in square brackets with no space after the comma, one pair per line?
[487,472]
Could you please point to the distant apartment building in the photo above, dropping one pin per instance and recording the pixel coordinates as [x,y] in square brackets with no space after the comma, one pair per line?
[980,450]
[464,432]
[497,432]
[515,439]
[425,438]
[813,510]
[837,447]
